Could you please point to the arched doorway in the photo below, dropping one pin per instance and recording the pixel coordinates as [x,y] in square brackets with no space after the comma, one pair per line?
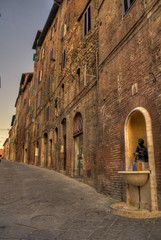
[45,150]
[78,145]
[37,154]
[51,153]
[56,150]
[25,155]
[63,151]
[138,125]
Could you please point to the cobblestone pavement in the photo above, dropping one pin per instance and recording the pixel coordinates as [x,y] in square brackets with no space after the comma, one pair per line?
[40,204]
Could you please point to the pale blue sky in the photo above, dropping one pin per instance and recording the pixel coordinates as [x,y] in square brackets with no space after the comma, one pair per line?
[19,22]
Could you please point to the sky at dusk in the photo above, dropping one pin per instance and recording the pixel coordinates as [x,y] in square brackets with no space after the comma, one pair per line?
[19,22]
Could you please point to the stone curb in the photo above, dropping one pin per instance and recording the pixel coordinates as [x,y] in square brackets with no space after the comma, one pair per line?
[124,210]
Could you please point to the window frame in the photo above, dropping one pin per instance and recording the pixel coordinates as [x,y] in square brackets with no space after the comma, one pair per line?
[126,4]
[87,20]
[55,25]
[48,85]
[38,99]
[63,59]
[51,55]
[35,82]
[51,33]
[47,113]
[67,21]
[32,90]
[62,31]
[40,76]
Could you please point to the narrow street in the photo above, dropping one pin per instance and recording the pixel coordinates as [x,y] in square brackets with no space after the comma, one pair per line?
[40,204]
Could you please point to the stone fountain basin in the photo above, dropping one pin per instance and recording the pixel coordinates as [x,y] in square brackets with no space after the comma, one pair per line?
[135,178]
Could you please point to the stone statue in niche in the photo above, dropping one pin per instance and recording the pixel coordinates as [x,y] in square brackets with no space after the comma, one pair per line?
[141,153]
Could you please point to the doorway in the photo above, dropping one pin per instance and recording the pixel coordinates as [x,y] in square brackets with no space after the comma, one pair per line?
[25,155]
[51,152]
[37,154]
[78,156]
[78,145]
[64,152]
[63,157]
[45,150]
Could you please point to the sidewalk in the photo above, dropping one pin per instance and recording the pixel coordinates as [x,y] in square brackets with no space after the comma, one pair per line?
[40,204]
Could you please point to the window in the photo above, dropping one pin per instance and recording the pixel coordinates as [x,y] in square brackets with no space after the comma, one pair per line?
[67,21]
[32,90]
[24,102]
[51,33]
[38,99]
[56,135]
[56,108]
[87,20]
[62,32]
[30,109]
[35,82]
[63,59]
[51,56]
[62,91]
[33,105]
[56,103]
[40,76]
[78,81]
[47,113]
[127,4]
[38,127]
[43,52]
[55,25]
[48,85]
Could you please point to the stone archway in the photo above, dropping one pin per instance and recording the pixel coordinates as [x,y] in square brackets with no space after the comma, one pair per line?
[138,125]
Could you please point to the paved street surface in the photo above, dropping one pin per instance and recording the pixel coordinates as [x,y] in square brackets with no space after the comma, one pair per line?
[40,204]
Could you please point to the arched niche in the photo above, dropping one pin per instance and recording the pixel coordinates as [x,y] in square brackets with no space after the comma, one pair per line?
[138,125]
[136,129]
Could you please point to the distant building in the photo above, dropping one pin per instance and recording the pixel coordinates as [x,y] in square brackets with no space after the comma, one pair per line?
[1,152]
[22,110]
[6,149]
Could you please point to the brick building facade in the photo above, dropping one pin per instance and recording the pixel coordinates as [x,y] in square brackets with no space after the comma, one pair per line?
[129,89]
[22,108]
[57,108]
[95,89]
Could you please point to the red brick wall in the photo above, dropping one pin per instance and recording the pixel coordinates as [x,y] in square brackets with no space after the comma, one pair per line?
[129,50]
